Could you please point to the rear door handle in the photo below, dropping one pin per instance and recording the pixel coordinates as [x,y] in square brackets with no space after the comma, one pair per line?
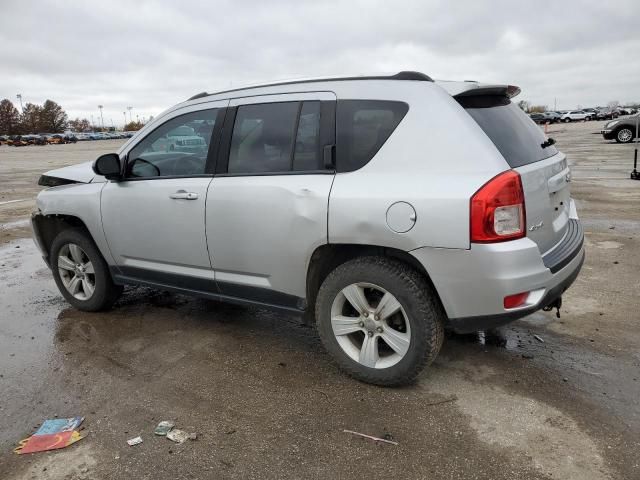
[184,195]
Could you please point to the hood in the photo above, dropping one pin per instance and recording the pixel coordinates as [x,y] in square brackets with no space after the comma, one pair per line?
[81,173]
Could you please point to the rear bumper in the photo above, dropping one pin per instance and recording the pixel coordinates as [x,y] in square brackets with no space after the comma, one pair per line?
[473,324]
[472,284]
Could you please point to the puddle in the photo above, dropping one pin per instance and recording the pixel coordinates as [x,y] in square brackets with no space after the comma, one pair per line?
[609,245]
[25,222]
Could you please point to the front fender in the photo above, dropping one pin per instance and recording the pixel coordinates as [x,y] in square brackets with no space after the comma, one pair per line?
[80,200]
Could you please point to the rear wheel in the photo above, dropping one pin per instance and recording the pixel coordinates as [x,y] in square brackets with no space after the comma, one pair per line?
[567,120]
[80,272]
[624,135]
[379,320]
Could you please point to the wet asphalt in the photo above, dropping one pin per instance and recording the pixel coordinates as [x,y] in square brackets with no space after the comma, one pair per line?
[540,398]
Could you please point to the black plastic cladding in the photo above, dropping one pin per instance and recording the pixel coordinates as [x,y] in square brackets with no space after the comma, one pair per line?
[404,75]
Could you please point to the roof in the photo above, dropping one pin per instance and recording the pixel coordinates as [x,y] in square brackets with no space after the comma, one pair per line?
[404,75]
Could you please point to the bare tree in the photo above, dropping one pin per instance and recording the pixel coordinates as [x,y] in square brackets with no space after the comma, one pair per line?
[537,108]
[524,105]
[52,117]
[30,119]
[9,118]
[133,126]
[79,125]
[613,104]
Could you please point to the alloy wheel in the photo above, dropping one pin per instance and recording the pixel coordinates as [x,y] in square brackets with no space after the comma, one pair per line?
[76,271]
[370,325]
[625,135]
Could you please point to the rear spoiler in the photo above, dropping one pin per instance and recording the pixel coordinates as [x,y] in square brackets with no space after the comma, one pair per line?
[509,91]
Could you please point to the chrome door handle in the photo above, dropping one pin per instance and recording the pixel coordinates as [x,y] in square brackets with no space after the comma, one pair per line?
[183,195]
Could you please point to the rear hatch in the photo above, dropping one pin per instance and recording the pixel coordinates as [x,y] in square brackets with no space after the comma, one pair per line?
[543,170]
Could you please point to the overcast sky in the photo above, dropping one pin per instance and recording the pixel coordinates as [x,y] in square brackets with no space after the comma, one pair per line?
[151,55]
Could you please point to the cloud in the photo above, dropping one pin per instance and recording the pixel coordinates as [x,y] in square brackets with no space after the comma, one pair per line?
[151,55]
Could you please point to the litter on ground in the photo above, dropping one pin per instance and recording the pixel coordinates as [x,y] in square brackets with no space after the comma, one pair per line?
[180,436]
[52,435]
[134,441]
[163,428]
[370,437]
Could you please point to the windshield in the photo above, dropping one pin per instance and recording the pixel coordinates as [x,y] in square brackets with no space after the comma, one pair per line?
[515,135]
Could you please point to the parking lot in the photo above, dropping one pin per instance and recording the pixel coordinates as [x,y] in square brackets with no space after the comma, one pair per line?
[265,400]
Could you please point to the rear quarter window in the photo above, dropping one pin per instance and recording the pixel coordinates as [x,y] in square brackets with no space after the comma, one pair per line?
[363,126]
[514,134]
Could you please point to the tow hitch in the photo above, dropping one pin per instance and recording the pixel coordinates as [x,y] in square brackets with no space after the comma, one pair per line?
[557,303]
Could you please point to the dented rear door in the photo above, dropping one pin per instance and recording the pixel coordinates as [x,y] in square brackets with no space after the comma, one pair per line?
[267,204]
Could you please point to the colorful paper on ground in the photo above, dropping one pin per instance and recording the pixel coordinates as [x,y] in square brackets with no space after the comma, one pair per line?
[52,435]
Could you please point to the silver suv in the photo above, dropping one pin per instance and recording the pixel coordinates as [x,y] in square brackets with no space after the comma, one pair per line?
[383,209]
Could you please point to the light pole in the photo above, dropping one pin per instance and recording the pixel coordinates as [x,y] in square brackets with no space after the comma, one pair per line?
[137,118]
[130,117]
[101,117]
[93,128]
[19,96]
[124,125]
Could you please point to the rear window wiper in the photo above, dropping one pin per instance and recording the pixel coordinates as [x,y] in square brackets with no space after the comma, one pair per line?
[548,142]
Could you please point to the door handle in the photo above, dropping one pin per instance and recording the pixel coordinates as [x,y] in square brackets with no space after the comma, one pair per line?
[184,195]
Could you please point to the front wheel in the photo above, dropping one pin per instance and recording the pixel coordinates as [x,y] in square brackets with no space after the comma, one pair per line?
[567,120]
[80,272]
[380,321]
[624,135]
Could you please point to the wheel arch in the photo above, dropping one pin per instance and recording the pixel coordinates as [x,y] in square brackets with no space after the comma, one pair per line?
[47,227]
[327,257]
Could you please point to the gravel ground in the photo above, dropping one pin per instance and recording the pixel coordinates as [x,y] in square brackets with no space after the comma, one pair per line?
[267,402]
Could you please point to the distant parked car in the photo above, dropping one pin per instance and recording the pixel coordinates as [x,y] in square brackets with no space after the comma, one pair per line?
[55,139]
[19,141]
[574,115]
[37,140]
[553,117]
[592,113]
[621,130]
[538,117]
[3,139]
[607,114]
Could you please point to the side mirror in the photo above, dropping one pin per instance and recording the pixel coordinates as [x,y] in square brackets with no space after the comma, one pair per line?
[108,165]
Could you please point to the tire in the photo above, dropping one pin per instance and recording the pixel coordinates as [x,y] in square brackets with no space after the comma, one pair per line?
[567,120]
[104,292]
[624,135]
[418,309]
[587,119]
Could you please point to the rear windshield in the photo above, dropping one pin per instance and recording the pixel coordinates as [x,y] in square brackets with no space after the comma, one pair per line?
[516,136]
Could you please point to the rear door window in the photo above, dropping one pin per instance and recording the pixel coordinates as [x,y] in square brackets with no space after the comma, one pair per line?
[307,150]
[514,134]
[262,138]
[276,137]
[363,126]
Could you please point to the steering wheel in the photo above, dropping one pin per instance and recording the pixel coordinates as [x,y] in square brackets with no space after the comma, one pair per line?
[189,165]
[146,162]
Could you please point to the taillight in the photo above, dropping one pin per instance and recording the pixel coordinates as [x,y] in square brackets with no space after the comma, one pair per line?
[517,300]
[497,210]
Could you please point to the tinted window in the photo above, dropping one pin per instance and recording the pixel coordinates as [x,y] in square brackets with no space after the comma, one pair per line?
[262,138]
[177,147]
[516,136]
[363,126]
[307,152]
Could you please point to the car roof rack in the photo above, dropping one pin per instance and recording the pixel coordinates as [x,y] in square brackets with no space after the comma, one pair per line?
[403,75]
